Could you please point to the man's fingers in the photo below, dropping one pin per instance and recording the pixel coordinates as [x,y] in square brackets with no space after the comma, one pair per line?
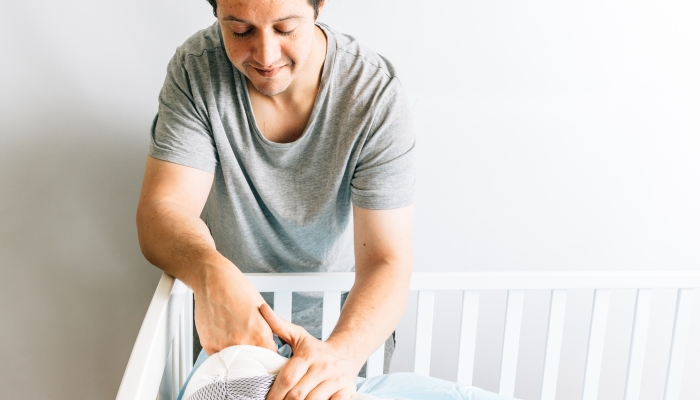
[330,389]
[279,326]
[288,377]
[343,394]
[308,383]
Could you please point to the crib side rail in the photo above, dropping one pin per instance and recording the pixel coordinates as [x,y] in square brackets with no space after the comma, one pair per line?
[685,284]
[162,329]
[516,283]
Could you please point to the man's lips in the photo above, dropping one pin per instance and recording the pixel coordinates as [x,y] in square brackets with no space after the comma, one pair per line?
[268,73]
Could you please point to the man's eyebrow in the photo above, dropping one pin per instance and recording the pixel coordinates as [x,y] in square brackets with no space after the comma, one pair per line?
[234,19]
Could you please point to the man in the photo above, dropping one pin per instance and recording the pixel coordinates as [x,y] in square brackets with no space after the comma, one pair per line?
[272,132]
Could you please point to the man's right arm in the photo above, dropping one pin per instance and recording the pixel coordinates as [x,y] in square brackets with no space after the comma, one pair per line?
[176,240]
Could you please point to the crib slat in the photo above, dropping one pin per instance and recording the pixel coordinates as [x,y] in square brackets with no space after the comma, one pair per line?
[283,304]
[511,341]
[467,337]
[555,330]
[167,343]
[375,364]
[183,349]
[175,361]
[189,331]
[596,340]
[331,312]
[679,342]
[424,332]
[165,390]
[642,310]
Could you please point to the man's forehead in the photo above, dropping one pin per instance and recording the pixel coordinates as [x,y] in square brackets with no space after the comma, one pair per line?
[246,10]
[230,17]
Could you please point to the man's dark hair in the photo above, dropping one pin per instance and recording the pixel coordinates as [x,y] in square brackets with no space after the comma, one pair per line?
[314,4]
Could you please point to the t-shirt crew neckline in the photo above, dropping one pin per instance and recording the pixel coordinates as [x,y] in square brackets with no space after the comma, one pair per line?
[320,96]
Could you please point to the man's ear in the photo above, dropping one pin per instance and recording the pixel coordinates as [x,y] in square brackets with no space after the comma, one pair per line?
[321,5]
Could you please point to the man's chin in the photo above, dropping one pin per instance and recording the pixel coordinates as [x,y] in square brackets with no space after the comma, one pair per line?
[270,88]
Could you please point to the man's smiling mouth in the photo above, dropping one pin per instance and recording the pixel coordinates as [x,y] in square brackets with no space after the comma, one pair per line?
[268,73]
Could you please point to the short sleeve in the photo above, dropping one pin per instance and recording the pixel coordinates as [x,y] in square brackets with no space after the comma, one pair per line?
[180,132]
[384,177]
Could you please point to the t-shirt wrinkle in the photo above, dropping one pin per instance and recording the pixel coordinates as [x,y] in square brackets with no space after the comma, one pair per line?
[287,207]
[212,50]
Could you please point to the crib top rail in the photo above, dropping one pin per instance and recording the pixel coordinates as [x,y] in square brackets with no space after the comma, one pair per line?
[343,281]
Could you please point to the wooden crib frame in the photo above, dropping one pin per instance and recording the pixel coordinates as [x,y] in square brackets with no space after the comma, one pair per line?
[162,355]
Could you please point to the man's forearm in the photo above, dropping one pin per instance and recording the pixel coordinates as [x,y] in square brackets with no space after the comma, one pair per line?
[175,239]
[372,310]
[178,243]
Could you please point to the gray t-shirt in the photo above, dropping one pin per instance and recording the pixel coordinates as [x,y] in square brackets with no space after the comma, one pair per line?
[286,207]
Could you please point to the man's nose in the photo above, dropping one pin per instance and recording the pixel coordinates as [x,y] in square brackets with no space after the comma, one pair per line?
[267,49]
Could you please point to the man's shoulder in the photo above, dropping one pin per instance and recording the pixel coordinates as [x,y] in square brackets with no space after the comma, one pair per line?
[354,56]
[354,53]
[205,40]
[362,68]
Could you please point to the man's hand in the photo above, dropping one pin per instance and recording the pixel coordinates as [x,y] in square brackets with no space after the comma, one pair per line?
[227,314]
[317,370]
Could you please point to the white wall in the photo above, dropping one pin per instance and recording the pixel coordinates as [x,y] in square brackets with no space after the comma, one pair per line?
[551,137]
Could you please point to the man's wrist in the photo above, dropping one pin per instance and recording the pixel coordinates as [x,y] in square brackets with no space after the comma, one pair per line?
[349,349]
[212,272]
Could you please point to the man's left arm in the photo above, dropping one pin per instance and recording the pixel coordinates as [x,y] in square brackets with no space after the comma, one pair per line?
[373,309]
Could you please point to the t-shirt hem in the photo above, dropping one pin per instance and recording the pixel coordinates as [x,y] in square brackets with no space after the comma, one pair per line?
[381,203]
[182,159]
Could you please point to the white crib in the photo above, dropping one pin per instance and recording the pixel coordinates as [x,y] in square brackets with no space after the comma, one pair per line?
[162,356]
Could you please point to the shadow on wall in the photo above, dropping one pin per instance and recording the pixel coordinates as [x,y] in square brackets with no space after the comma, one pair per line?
[74,285]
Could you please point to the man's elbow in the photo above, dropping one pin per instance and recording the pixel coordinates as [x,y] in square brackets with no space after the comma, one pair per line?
[144,228]
[398,269]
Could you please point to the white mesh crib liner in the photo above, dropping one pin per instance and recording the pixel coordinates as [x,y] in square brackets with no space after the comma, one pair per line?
[238,373]
[253,388]
[235,368]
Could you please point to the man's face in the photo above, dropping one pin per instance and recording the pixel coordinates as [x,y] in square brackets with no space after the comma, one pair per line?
[269,41]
